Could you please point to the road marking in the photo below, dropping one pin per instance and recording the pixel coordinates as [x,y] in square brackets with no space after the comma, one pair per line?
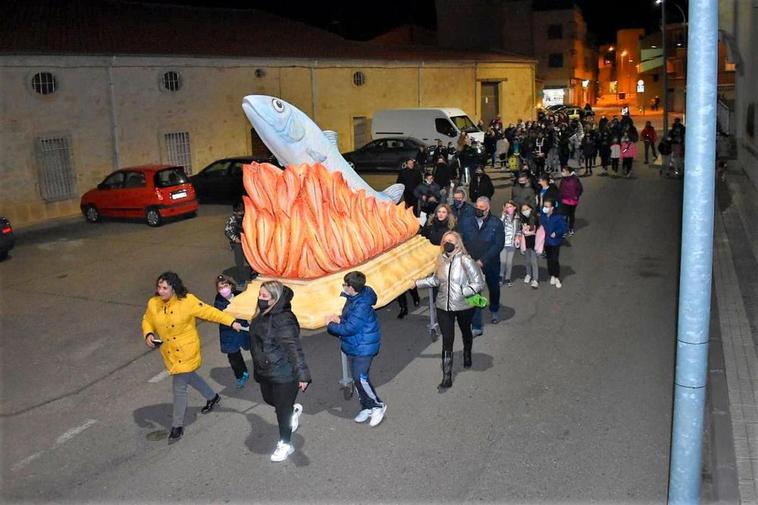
[74,432]
[159,377]
[21,464]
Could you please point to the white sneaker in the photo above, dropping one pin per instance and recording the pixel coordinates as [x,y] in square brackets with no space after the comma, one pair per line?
[363,416]
[377,414]
[558,283]
[552,281]
[527,279]
[282,451]
[535,284]
[297,409]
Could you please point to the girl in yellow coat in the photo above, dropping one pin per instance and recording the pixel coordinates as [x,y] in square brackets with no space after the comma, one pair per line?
[169,322]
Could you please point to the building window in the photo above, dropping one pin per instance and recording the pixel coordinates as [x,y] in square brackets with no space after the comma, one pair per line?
[171,81]
[178,150]
[359,78]
[555,32]
[44,83]
[55,174]
[555,60]
[613,87]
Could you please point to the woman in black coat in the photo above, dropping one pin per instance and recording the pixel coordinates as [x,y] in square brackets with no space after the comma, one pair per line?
[481,185]
[279,363]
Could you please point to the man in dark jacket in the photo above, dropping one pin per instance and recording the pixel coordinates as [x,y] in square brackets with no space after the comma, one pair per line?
[411,177]
[460,207]
[481,185]
[484,238]
[428,194]
[522,192]
[360,336]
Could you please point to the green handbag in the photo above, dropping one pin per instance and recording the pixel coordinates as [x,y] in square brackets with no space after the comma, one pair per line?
[477,300]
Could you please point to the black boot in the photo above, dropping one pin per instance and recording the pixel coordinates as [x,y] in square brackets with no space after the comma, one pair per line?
[447,370]
[467,358]
[211,404]
[403,306]
[176,434]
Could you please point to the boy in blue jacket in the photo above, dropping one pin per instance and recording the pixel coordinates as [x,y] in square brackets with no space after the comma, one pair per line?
[555,229]
[358,330]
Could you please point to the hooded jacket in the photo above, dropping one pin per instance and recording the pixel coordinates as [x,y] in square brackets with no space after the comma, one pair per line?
[231,341]
[457,277]
[358,328]
[275,344]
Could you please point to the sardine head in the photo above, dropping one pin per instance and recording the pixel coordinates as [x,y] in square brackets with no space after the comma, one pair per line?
[275,120]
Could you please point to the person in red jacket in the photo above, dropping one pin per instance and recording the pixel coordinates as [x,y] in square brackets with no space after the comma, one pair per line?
[649,137]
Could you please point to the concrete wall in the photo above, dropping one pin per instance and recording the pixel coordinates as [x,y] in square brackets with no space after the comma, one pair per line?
[208,107]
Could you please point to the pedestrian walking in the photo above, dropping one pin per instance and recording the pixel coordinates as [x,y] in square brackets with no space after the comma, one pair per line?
[571,190]
[484,238]
[522,192]
[615,155]
[481,185]
[169,322]
[628,152]
[428,196]
[410,177]
[457,276]
[528,243]
[547,189]
[233,232]
[460,207]
[604,149]
[232,342]
[440,223]
[279,362]
[649,137]
[555,228]
[511,229]
[360,339]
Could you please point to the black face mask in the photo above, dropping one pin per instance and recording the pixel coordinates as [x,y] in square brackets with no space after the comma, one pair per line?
[479,213]
[449,247]
[458,203]
[262,304]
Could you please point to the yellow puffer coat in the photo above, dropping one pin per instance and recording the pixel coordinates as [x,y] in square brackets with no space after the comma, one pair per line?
[174,323]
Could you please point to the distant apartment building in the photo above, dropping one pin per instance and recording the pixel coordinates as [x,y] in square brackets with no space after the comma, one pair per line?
[553,33]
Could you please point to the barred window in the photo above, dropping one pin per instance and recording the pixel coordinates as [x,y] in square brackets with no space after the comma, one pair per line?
[359,78]
[44,83]
[55,173]
[172,81]
[178,149]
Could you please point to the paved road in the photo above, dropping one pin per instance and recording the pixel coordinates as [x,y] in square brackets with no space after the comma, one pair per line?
[569,400]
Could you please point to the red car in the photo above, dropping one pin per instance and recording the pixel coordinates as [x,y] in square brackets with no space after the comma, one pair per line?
[149,192]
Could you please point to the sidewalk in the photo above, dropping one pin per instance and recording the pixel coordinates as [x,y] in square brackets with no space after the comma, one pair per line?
[736,321]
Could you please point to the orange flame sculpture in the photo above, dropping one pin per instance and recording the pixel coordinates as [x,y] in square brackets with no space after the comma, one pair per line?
[305,222]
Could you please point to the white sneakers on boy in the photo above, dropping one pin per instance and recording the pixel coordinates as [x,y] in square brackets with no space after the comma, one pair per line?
[297,409]
[377,414]
[558,283]
[552,280]
[527,279]
[282,451]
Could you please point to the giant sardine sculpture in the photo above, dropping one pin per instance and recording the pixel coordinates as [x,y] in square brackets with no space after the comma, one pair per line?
[294,139]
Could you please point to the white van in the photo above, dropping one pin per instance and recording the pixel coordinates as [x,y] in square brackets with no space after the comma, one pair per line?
[427,125]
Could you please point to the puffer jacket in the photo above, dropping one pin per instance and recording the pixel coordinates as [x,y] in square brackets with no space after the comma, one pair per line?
[512,228]
[571,189]
[275,344]
[231,341]
[358,328]
[457,277]
[174,323]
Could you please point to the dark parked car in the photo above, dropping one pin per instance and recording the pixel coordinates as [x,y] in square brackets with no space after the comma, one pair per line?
[221,181]
[7,240]
[149,192]
[386,154]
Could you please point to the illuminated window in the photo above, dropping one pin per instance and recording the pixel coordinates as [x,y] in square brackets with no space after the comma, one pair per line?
[614,87]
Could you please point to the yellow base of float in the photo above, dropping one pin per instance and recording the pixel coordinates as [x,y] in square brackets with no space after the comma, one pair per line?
[315,299]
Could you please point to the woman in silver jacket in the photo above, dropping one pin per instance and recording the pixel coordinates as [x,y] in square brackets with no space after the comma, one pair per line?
[457,276]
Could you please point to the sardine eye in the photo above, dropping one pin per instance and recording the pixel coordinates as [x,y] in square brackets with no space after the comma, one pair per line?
[278,105]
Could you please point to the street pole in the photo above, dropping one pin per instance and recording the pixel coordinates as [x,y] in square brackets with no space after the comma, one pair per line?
[697,256]
[665,71]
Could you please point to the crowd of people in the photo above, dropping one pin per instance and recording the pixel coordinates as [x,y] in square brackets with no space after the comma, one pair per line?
[477,249]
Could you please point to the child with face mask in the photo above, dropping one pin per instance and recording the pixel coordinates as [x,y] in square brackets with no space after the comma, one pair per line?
[511,223]
[232,342]
[529,224]
[555,228]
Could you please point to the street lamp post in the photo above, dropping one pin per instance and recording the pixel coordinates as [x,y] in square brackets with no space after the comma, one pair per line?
[662,3]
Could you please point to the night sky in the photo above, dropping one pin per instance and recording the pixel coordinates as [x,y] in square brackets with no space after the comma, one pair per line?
[364,20]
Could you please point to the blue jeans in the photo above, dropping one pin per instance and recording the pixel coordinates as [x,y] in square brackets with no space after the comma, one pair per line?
[359,367]
[492,278]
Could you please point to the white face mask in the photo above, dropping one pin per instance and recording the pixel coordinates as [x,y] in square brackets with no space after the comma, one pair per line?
[526,213]
[546,210]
